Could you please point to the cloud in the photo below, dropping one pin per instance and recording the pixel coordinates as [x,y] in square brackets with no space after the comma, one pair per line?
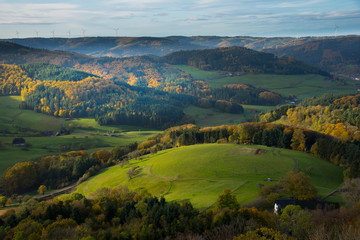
[161,14]
[42,13]
[297,4]
[135,2]
[196,19]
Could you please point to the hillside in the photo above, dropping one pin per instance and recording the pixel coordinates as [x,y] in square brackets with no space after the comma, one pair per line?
[337,55]
[289,86]
[146,72]
[199,173]
[239,60]
[135,46]
[338,116]
[110,102]
[44,71]
[158,46]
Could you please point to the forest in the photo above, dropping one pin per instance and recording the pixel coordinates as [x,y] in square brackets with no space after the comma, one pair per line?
[240,60]
[337,116]
[152,92]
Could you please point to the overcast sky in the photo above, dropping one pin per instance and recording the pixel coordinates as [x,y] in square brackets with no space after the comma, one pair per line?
[77,18]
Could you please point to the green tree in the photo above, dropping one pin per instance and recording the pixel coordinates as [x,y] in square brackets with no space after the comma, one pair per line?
[227,200]
[3,201]
[298,185]
[295,221]
[132,171]
[42,189]
[262,234]
[21,177]
[298,141]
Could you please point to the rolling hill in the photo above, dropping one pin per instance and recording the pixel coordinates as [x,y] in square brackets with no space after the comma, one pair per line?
[239,60]
[337,55]
[135,46]
[158,46]
[200,172]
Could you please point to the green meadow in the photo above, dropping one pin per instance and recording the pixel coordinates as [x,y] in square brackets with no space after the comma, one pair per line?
[87,134]
[199,173]
[12,118]
[302,86]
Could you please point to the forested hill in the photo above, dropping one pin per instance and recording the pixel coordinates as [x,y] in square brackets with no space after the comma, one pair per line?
[11,53]
[239,59]
[137,71]
[338,55]
[158,46]
[338,116]
[141,71]
[45,71]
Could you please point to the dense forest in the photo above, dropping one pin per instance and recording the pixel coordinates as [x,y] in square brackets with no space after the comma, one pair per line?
[337,55]
[94,97]
[122,214]
[334,115]
[240,60]
[117,91]
[44,71]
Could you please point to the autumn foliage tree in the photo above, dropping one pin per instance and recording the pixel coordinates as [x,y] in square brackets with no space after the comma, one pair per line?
[21,177]
[298,185]
[227,200]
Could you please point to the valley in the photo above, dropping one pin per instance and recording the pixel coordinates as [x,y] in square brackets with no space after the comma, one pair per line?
[161,137]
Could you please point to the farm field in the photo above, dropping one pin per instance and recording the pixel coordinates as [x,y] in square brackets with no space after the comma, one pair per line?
[205,117]
[199,173]
[301,86]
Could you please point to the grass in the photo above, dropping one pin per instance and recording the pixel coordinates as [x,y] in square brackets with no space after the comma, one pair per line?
[86,125]
[42,146]
[302,86]
[205,117]
[87,134]
[12,117]
[199,173]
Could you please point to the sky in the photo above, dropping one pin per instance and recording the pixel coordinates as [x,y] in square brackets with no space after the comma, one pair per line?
[160,18]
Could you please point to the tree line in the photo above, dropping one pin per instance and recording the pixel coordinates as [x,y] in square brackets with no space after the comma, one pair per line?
[57,171]
[342,153]
[122,214]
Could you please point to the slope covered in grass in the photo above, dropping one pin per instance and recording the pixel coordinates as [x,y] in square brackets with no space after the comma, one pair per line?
[199,173]
[302,86]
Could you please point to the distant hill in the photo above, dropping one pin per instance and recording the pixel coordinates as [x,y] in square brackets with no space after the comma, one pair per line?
[158,46]
[11,53]
[337,55]
[141,71]
[136,71]
[239,60]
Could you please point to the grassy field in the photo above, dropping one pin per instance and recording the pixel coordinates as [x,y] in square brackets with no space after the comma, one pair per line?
[205,117]
[12,117]
[87,134]
[302,86]
[42,146]
[199,173]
